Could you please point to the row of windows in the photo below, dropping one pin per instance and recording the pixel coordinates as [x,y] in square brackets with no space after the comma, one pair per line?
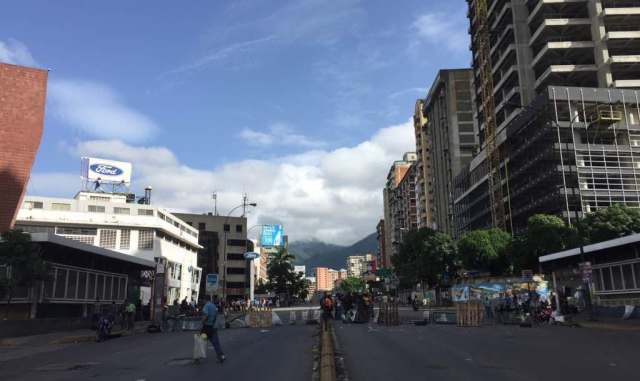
[90,208]
[617,277]
[226,227]
[177,224]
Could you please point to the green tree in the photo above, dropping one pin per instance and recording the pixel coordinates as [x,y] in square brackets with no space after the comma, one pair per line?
[425,256]
[485,250]
[21,264]
[282,278]
[545,234]
[352,284]
[608,223]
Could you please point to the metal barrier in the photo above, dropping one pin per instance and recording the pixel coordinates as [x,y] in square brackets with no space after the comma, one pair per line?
[388,314]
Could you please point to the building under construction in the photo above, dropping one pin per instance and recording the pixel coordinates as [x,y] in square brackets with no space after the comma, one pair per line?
[558,113]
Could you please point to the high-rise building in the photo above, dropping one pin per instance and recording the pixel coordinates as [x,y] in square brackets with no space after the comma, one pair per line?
[324,281]
[452,138]
[556,109]
[220,236]
[399,203]
[424,177]
[357,265]
[381,257]
[107,220]
[22,101]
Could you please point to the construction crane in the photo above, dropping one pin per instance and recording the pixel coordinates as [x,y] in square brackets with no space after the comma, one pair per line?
[483,49]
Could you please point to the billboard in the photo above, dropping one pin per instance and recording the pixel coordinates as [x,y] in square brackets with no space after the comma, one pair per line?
[106,171]
[271,236]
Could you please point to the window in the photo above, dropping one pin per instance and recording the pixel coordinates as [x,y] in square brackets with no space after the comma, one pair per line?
[235,284]
[108,238]
[145,212]
[466,139]
[189,223]
[120,210]
[201,226]
[99,198]
[616,277]
[145,239]
[76,231]
[238,228]
[235,257]
[33,205]
[465,127]
[125,239]
[465,117]
[236,242]
[60,206]
[227,227]
[235,270]
[96,209]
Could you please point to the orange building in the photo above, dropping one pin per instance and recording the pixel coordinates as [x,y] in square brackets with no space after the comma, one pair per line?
[324,279]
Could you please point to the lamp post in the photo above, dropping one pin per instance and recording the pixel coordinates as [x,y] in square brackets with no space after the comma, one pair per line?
[251,265]
[224,244]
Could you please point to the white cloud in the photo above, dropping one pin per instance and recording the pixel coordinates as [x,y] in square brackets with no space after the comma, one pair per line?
[16,53]
[333,195]
[278,134]
[446,29]
[98,111]
[88,106]
[220,54]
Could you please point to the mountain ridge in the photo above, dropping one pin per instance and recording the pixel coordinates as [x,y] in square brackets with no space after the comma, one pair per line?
[315,253]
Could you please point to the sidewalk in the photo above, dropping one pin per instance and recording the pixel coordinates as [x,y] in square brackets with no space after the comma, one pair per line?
[23,346]
[613,324]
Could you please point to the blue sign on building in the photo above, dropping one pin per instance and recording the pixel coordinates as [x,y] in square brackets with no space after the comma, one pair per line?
[271,236]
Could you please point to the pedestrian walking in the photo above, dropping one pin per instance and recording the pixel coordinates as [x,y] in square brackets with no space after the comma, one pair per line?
[327,307]
[210,312]
[131,313]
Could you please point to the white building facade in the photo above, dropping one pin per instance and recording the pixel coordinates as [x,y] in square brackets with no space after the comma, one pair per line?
[108,221]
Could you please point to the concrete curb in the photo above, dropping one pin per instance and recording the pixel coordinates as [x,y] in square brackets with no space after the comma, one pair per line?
[327,354]
[609,326]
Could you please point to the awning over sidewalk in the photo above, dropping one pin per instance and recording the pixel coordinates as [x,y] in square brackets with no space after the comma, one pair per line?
[616,242]
[69,243]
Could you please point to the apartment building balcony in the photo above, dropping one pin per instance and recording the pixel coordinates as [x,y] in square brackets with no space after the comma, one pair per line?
[625,70]
[507,97]
[621,18]
[503,18]
[569,75]
[506,34]
[507,78]
[562,53]
[506,59]
[568,29]
[546,9]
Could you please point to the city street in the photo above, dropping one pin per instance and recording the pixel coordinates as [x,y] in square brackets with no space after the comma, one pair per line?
[447,352]
[280,353]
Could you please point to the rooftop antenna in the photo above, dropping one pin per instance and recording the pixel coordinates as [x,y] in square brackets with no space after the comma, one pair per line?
[214,197]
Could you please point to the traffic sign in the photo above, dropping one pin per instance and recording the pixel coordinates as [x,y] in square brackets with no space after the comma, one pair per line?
[249,255]
[212,283]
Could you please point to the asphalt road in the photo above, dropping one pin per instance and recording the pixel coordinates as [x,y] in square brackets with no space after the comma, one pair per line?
[280,353]
[445,352]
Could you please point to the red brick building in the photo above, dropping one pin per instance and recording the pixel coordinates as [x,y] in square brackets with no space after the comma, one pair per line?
[22,100]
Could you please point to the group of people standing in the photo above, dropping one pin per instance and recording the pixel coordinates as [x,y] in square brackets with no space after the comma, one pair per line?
[349,307]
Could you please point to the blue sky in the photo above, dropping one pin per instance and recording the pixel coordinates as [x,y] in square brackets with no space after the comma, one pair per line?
[302,105]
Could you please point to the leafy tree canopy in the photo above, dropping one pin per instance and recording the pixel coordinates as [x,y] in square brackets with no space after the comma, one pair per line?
[485,250]
[608,223]
[424,256]
[351,284]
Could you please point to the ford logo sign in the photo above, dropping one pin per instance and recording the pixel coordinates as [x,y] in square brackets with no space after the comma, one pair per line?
[106,169]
